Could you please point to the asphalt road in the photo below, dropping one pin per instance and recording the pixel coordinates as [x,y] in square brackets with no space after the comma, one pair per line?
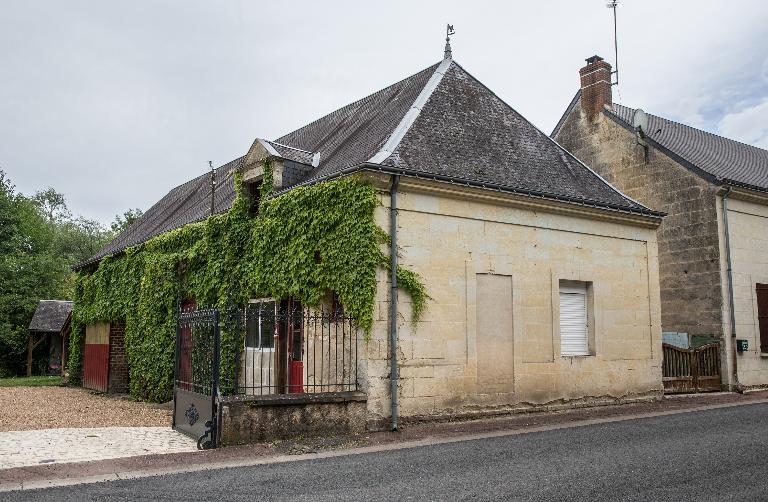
[708,455]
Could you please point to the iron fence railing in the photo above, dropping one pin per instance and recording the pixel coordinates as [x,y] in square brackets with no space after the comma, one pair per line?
[265,348]
[285,348]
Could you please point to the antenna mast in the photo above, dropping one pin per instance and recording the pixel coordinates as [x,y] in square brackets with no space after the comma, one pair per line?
[213,185]
[613,5]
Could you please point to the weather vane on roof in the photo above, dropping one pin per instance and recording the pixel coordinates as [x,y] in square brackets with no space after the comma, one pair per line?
[448,32]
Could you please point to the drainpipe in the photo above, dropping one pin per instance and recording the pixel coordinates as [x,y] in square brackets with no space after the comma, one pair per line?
[393,298]
[730,286]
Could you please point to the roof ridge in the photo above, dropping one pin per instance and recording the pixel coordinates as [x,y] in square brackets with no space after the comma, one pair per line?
[694,128]
[412,114]
[357,102]
[288,146]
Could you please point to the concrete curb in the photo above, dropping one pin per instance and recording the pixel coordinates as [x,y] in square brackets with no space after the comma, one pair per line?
[248,462]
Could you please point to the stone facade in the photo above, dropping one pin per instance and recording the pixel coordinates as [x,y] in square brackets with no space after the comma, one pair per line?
[689,250]
[748,232]
[252,419]
[489,341]
[693,248]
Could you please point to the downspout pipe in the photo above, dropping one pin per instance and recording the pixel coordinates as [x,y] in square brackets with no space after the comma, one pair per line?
[730,285]
[393,298]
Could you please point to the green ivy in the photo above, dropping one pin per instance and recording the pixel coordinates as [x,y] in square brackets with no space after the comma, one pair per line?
[301,244]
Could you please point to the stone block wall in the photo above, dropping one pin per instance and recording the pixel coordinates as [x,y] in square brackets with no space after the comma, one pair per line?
[689,252]
[748,228]
[489,341]
[118,362]
[253,419]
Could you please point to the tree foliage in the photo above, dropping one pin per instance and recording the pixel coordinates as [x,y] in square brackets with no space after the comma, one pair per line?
[39,242]
[124,221]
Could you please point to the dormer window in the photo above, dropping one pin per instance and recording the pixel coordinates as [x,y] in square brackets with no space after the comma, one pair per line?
[252,192]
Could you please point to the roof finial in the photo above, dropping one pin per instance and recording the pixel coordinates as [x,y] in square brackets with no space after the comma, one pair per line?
[448,32]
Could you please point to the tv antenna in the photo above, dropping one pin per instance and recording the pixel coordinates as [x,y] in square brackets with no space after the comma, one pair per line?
[448,32]
[612,5]
[213,186]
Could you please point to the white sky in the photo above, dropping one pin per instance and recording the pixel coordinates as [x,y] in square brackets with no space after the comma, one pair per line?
[114,103]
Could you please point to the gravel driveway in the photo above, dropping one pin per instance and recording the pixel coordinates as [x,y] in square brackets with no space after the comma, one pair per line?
[32,408]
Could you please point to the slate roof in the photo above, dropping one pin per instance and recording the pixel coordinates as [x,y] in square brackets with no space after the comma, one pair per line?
[440,122]
[50,316]
[187,203]
[723,159]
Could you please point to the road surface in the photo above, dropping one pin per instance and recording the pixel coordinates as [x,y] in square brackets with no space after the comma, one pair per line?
[706,455]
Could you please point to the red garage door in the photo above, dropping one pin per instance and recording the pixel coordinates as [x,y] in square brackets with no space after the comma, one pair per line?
[96,357]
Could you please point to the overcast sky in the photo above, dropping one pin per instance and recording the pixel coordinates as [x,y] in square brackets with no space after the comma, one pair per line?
[114,103]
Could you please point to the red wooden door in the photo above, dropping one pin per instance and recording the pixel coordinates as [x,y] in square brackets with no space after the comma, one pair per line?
[96,357]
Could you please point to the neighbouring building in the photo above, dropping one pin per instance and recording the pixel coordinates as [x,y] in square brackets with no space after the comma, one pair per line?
[543,277]
[50,323]
[713,257]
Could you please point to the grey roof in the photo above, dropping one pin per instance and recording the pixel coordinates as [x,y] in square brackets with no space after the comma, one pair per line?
[187,203]
[723,159]
[50,316]
[468,132]
[292,153]
[440,121]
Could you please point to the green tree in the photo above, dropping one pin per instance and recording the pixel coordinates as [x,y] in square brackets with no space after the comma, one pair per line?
[29,270]
[40,241]
[124,221]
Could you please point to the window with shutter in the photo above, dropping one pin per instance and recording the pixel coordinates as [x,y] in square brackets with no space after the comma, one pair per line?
[574,320]
[761,291]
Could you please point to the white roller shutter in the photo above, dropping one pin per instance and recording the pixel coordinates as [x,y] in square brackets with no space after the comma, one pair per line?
[574,334]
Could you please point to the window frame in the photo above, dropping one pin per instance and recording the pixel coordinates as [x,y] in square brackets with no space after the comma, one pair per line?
[585,288]
[260,346]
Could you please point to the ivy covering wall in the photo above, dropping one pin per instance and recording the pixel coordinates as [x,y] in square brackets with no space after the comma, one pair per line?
[301,244]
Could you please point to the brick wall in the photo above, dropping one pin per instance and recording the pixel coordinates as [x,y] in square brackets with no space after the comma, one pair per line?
[118,362]
[689,254]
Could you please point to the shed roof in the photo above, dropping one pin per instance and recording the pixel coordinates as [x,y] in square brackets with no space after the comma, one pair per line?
[50,316]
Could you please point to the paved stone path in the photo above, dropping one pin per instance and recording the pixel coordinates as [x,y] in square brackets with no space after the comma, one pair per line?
[47,446]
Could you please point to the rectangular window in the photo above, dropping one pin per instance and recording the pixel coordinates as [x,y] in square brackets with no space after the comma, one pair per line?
[260,324]
[574,318]
[761,291]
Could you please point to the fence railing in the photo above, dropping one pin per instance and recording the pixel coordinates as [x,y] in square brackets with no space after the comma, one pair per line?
[290,349]
[266,348]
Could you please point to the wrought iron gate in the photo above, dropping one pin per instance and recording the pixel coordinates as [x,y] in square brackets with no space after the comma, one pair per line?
[267,347]
[196,392]
[691,370]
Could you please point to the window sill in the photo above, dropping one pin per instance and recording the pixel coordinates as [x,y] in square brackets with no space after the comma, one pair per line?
[571,356]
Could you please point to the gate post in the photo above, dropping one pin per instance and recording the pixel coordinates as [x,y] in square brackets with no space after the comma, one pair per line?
[215,384]
[176,357]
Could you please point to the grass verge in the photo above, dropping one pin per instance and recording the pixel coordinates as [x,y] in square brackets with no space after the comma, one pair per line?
[33,381]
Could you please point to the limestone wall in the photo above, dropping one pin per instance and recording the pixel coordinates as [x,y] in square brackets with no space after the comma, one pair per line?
[689,252]
[748,228]
[489,340]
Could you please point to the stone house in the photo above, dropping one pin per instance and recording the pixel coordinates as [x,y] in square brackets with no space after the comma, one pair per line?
[712,252]
[543,277]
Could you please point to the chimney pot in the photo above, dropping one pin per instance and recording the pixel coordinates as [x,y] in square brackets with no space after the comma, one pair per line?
[595,86]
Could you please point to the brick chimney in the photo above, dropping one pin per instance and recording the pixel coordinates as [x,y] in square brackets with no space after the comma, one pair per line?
[595,86]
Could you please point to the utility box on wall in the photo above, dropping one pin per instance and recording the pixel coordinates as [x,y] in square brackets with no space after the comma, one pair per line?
[742,345]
